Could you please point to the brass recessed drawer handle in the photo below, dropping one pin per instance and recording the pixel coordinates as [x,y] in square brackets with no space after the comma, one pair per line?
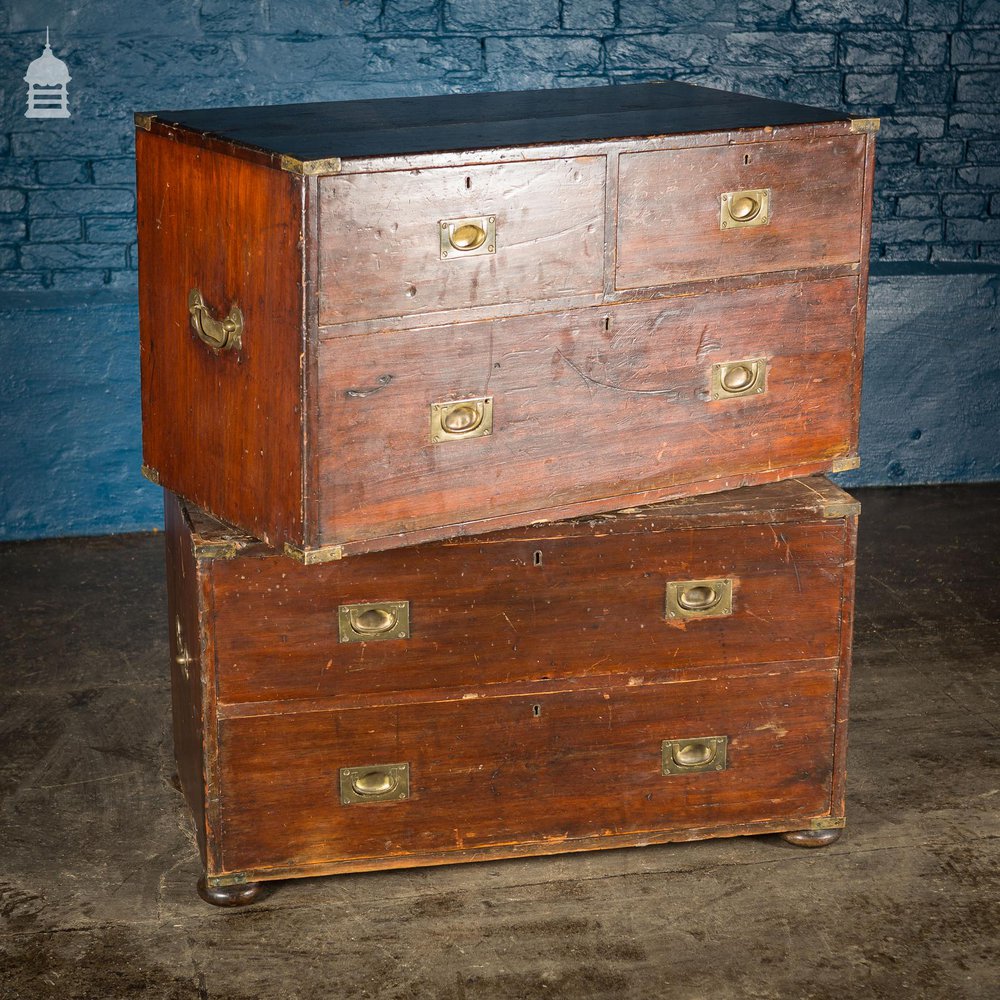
[742,209]
[701,753]
[739,378]
[374,622]
[374,783]
[461,418]
[699,598]
[220,334]
[468,237]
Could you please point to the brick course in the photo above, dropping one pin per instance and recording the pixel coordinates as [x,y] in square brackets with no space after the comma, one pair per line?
[929,68]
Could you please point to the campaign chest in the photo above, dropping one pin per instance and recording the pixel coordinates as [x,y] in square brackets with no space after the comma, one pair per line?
[664,673]
[373,324]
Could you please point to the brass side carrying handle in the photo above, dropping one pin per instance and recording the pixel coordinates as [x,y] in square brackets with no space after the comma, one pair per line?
[688,599]
[182,657]
[220,334]
[374,622]
[742,209]
[374,783]
[689,756]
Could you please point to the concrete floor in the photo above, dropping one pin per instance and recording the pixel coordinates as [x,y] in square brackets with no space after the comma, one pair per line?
[98,864]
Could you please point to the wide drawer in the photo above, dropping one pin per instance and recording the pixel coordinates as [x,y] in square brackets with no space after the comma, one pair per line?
[596,404]
[527,774]
[527,606]
[402,243]
[716,211]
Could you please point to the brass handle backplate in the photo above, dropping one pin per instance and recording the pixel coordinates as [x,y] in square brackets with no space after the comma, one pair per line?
[374,622]
[374,783]
[470,237]
[699,598]
[731,379]
[700,753]
[461,418]
[220,334]
[182,657]
[742,209]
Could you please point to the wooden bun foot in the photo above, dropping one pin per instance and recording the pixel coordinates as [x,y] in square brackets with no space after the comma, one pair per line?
[812,838]
[229,895]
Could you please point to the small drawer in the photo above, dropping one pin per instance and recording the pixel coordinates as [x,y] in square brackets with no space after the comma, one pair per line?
[403,243]
[719,211]
[431,781]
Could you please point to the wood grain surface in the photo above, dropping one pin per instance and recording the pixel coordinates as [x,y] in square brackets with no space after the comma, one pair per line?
[494,611]
[379,239]
[594,404]
[222,428]
[669,209]
[528,769]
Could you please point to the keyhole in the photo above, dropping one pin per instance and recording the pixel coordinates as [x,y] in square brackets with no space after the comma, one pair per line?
[607,322]
[537,558]
[468,182]
[746,159]
[536,710]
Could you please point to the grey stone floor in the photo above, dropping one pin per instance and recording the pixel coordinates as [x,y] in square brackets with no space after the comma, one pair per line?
[98,863]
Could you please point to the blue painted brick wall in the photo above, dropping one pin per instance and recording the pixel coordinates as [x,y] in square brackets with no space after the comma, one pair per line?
[930,68]
[69,411]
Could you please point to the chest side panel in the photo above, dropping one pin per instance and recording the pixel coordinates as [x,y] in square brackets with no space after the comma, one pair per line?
[222,427]
[807,196]
[385,239]
[587,404]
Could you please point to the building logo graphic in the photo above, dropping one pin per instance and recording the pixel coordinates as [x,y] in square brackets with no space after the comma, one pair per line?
[47,77]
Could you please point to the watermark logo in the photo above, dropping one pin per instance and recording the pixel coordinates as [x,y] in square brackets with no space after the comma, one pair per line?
[47,77]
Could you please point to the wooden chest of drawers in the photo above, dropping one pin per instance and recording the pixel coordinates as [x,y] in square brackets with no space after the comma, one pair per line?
[672,672]
[374,324]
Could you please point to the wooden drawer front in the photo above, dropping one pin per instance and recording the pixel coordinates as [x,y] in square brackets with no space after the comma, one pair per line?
[669,206]
[380,241]
[510,609]
[586,404]
[544,769]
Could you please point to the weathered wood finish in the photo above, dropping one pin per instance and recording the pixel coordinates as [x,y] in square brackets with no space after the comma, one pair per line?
[301,439]
[528,769]
[223,428]
[534,692]
[669,209]
[379,240]
[592,606]
[588,405]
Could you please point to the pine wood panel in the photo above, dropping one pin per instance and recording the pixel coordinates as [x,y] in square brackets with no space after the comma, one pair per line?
[669,209]
[522,770]
[224,429]
[595,404]
[497,611]
[379,241]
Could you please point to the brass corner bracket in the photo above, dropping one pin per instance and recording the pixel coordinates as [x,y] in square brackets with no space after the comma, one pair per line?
[828,823]
[151,474]
[143,120]
[870,125]
[846,463]
[312,557]
[310,168]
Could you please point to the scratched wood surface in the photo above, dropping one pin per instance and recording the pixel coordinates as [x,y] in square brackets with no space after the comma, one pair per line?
[532,768]
[223,428]
[593,404]
[669,209]
[379,238]
[494,611]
